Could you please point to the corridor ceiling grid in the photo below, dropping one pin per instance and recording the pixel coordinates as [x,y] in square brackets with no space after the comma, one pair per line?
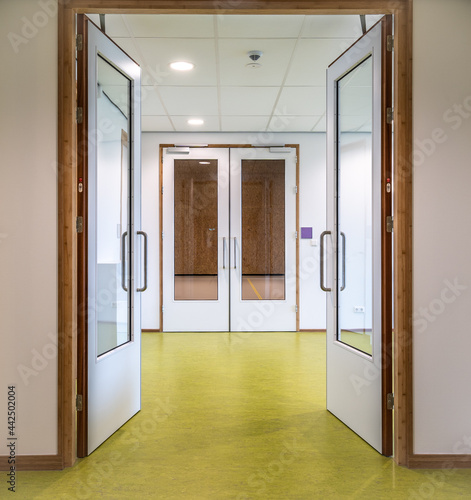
[286,94]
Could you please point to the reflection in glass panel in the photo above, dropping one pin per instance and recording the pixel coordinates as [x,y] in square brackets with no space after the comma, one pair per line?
[263,229]
[112,209]
[354,208]
[196,229]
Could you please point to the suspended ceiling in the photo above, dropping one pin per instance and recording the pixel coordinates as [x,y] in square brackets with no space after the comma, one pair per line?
[286,94]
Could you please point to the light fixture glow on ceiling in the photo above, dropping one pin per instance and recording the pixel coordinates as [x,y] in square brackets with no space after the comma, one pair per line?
[182,65]
[204,163]
[195,121]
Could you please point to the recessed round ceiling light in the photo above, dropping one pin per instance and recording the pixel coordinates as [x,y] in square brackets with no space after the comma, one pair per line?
[182,65]
[195,121]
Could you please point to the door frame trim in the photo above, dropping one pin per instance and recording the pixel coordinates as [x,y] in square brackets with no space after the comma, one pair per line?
[161,222]
[67,186]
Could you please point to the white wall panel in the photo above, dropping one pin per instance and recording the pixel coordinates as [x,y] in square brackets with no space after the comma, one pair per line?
[28,222]
[442,222]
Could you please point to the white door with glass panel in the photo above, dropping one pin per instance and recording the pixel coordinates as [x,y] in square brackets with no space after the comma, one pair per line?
[111,185]
[351,248]
[229,239]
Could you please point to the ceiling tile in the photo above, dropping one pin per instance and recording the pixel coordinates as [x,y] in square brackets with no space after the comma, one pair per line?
[233,60]
[244,123]
[150,101]
[171,26]
[321,125]
[156,124]
[190,100]
[250,101]
[158,53]
[331,27]
[259,26]
[292,123]
[211,124]
[115,27]
[302,101]
[311,59]
[356,124]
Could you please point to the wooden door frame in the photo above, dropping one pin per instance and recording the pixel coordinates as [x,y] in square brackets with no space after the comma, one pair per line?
[403,148]
[161,222]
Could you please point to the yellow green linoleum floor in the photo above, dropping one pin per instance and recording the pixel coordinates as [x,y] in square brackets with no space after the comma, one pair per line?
[237,416]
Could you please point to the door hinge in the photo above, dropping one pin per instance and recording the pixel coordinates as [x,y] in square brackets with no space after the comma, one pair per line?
[162,235]
[79,41]
[390,43]
[296,235]
[296,189]
[296,308]
[390,401]
[389,224]
[79,224]
[162,308]
[79,115]
[162,190]
[389,115]
[79,402]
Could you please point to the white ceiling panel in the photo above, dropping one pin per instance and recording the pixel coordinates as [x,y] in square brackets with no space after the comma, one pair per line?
[156,123]
[245,123]
[171,26]
[158,53]
[302,101]
[234,59]
[129,47]
[211,123]
[331,27]
[249,101]
[115,27]
[293,123]
[321,125]
[311,59]
[190,100]
[150,101]
[259,26]
[287,93]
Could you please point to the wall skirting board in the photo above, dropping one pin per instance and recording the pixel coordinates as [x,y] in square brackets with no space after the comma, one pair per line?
[33,462]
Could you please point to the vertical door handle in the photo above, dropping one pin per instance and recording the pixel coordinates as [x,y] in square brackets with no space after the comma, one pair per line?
[123,261]
[224,253]
[144,288]
[323,235]
[235,252]
[342,235]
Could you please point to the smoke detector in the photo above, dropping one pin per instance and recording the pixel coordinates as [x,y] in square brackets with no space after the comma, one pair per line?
[254,56]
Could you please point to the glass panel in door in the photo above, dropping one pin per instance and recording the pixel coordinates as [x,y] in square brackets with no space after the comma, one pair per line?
[263,229]
[196,229]
[112,207]
[354,207]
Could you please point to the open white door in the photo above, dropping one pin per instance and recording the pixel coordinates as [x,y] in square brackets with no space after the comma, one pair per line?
[355,262]
[111,243]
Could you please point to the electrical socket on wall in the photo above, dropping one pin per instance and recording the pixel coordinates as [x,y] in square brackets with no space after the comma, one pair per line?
[359,309]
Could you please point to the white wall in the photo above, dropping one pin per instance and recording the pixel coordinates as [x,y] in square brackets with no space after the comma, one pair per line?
[442,222]
[28,224]
[312,212]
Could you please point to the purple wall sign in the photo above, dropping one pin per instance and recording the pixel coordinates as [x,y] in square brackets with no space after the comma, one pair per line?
[306,233]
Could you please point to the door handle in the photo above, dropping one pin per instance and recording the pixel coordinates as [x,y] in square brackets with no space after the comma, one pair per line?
[144,288]
[123,261]
[323,235]
[235,254]
[224,252]
[342,235]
